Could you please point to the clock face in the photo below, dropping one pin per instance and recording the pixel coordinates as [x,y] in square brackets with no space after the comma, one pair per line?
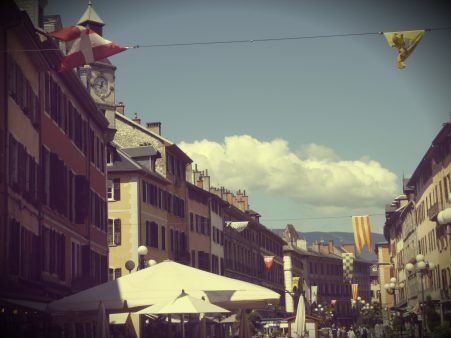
[100,86]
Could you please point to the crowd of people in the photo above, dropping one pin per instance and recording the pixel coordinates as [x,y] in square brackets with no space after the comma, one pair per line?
[349,332]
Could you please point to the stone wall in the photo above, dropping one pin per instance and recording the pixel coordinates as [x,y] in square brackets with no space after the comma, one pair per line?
[130,134]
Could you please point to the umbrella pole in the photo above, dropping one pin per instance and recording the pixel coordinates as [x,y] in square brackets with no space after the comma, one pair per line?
[170,326]
[183,325]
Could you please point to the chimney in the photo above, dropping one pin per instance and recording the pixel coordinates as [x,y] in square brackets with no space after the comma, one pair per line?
[120,108]
[136,119]
[349,248]
[302,244]
[206,179]
[331,246]
[323,248]
[154,127]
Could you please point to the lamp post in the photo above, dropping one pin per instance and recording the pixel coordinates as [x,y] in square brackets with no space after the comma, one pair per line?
[391,288]
[422,267]
[142,251]
[359,306]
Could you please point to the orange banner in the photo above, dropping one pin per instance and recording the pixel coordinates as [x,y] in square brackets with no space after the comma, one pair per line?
[355,291]
[362,232]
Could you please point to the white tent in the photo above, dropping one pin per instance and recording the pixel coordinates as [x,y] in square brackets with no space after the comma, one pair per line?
[163,281]
[183,304]
[299,323]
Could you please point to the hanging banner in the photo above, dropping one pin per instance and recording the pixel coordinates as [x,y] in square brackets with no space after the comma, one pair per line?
[314,289]
[295,284]
[355,291]
[362,232]
[348,266]
[269,260]
[405,42]
[306,292]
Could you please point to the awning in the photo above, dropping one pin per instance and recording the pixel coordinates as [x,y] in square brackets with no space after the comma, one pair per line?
[401,306]
[39,306]
[444,216]
[238,226]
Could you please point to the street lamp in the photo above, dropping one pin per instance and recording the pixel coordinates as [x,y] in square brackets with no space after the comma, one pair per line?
[391,289]
[142,251]
[359,305]
[422,267]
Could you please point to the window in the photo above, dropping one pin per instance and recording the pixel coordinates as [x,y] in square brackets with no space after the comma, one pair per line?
[114,273]
[172,239]
[114,191]
[53,252]
[76,260]
[114,231]
[193,258]
[163,238]
[152,234]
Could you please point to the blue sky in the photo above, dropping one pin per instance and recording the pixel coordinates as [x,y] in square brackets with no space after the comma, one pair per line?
[314,130]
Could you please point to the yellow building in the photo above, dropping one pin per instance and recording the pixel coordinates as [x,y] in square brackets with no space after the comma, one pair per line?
[134,199]
[170,164]
[385,273]
[199,227]
[431,186]
[418,228]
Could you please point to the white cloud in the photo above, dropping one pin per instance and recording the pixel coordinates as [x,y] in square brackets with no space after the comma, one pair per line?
[314,176]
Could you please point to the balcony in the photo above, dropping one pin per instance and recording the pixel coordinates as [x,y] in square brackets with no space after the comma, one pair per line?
[433,212]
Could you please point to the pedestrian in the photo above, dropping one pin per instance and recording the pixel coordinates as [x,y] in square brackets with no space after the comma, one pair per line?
[363,332]
[351,333]
[334,331]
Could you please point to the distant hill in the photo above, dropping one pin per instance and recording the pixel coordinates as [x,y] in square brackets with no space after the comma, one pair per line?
[337,237]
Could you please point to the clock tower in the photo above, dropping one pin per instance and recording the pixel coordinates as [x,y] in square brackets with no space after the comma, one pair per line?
[99,77]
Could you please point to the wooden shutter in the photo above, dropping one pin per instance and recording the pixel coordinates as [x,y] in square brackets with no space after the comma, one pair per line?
[117,189]
[85,260]
[117,231]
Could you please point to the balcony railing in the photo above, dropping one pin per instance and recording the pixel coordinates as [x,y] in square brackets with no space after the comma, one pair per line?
[433,211]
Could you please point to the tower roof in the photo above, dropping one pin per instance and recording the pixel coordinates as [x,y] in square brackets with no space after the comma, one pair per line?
[90,15]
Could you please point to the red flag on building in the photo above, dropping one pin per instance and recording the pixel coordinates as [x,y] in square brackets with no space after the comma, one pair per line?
[268,261]
[86,46]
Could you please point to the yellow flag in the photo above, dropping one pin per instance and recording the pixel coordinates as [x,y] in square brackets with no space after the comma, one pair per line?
[405,42]
[355,291]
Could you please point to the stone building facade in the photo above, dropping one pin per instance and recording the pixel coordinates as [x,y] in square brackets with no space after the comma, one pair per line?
[320,265]
[417,222]
[53,176]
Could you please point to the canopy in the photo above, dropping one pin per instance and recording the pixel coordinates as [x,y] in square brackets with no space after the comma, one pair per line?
[183,304]
[299,323]
[163,281]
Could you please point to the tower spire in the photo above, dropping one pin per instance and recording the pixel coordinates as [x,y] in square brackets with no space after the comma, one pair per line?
[91,19]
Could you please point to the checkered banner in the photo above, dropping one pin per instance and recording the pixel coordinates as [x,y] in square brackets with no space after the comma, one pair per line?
[348,261]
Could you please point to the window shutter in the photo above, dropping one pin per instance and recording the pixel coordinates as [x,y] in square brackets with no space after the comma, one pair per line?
[117,189]
[81,198]
[62,257]
[110,232]
[144,192]
[117,231]
[85,260]
[53,184]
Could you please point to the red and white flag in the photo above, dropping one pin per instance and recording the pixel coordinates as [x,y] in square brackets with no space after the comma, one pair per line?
[87,46]
[268,261]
